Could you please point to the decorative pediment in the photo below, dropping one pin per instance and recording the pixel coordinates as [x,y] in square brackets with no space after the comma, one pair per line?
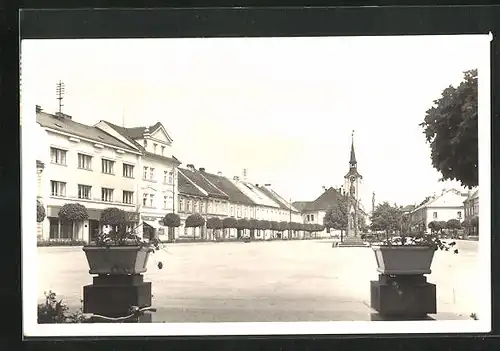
[161,134]
[149,188]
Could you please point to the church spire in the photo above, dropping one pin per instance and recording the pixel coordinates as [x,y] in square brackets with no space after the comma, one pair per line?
[353,161]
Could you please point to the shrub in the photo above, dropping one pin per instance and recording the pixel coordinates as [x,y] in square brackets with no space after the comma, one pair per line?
[214,223]
[73,212]
[60,242]
[283,225]
[54,311]
[195,220]
[274,225]
[172,220]
[113,216]
[229,223]
[243,223]
[40,212]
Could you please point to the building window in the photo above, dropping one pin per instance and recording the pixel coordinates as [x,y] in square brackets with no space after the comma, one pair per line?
[58,188]
[170,177]
[162,150]
[459,214]
[145,144]
[435,215]
[312,217]
[202,206]
[84,161]
[181,204]
[165,202]
[151,173]
[154,147]
[165,177]
[189,206]
[128,197]
[60,229]
[108,166]
[216,207]
[84,191]
[209,207]
[58,156]
[107,195]
[195,207]
[151,200]
[144,199]
[128,171]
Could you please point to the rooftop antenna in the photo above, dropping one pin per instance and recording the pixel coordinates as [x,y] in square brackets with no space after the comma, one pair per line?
[60,90]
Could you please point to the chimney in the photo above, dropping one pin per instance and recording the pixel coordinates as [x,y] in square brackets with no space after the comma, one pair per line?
[236,178]
[190,166]
[257,185]
[38,108]
[202,169]
[219,173]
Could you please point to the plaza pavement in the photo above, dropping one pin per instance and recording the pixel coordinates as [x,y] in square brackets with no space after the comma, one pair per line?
[266,281]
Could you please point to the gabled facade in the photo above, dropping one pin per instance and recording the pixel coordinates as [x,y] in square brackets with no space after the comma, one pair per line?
[85,165]
[448,205]
[471,204]
[156,172]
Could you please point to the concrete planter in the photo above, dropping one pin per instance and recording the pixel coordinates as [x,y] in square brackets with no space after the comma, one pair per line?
[404,260]
[117,260]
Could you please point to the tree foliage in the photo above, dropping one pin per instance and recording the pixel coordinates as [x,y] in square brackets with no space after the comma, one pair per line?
[243,223]
[265,224]
[254,224]
[336,217]
[172,220]
[386,218]
[450,127]
[453,224]
[73,212]
[283,225]
[195,220]
[229,223]
[113,216]
[40,212]
[214,223]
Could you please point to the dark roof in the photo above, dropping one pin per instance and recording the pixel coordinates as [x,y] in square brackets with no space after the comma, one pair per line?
[186,187]
[203,183]
[273,197]
[300,205]
[65,124]
[224,184]
[352,159]
[329,197]
[136,133]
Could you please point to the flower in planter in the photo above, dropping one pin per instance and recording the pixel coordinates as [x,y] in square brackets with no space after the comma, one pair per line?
[73,212]
[40,212]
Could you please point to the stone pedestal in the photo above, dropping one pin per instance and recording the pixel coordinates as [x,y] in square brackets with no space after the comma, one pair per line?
[352,241]
[113,295]
[403,296]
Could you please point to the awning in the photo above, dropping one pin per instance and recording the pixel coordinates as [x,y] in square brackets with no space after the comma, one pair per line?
[153,224]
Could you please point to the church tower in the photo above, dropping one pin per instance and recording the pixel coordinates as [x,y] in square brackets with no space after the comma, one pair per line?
[352,182]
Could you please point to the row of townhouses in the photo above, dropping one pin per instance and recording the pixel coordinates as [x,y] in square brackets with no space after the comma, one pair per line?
[133,169]
[450,204]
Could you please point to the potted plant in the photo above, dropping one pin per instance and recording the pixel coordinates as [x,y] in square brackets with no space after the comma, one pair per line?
[411,253]
[119,251]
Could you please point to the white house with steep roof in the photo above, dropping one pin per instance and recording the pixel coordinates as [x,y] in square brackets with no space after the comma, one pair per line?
[85,165]
[448,205]
[156,173]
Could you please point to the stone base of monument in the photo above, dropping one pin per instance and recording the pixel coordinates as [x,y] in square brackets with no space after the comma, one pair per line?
[113,295]
[403,297]
[352,241]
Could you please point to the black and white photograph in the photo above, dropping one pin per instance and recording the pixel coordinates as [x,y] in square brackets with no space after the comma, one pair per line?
[256,186]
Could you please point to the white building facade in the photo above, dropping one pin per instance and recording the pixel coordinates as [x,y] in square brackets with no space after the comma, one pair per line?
[88,167]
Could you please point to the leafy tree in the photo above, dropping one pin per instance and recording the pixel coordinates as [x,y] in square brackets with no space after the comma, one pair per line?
[453,224]
[274,227]
[171,221]
[40,212]
[336,217]
[254,225]
[386,218]
[229,223]
[195,220]
[450,127]
[284,225]
[214,223]
[243,224]
[73,212]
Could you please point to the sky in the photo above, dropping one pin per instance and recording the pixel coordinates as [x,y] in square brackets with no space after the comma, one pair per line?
[283,108]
